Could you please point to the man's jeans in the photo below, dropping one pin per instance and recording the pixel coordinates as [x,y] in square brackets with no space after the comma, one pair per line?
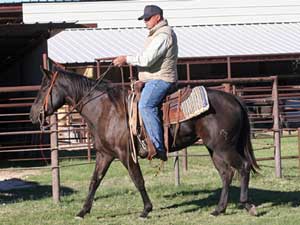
[151,98]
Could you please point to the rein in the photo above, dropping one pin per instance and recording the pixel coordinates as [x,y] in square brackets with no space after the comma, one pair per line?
[46,100]
[45,103]
[133,152]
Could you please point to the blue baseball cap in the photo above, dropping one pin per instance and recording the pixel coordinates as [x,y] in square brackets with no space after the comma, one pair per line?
[149,11]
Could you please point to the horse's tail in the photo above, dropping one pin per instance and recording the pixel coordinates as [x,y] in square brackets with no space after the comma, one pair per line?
[245,139]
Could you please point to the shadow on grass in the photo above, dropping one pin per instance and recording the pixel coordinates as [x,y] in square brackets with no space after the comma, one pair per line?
[256,196]
[30,191]
[119,214]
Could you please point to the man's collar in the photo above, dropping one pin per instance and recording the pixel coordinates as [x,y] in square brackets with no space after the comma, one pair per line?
[157,26]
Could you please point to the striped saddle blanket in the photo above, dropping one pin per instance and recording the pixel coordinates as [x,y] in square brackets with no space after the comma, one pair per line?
[185,104]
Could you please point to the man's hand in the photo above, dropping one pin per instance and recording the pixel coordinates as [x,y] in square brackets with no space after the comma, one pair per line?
[119,61]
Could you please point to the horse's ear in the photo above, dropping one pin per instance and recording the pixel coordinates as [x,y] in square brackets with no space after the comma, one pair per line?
[46,72]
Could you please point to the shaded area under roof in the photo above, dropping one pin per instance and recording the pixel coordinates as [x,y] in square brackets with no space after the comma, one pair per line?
[85,45]
[18,39]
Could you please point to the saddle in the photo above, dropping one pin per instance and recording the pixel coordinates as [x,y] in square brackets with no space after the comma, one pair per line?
[173,112]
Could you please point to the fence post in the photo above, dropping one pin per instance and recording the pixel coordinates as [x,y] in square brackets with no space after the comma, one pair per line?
[276,128]
[54,160]
[184,160]
[54,148]
[88,135]
[176,169]
[299,145]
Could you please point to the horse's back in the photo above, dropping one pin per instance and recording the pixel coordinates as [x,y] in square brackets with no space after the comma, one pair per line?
[224,99]
[225,106]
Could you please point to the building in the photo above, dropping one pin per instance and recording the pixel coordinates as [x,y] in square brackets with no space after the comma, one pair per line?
[252,37]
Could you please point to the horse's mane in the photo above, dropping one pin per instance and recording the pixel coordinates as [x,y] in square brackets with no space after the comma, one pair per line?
[82,83]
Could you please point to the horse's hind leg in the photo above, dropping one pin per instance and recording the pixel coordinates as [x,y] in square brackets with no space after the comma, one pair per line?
[245,176]
[103,162]
[226,173]
[137,178]
[225,164]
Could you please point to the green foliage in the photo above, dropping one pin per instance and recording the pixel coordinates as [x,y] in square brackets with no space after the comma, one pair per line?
[118,202]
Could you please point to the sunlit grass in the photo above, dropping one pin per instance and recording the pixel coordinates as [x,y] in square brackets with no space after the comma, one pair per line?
[118,202]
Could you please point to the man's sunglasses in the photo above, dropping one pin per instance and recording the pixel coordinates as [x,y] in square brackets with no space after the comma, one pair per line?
[147,19]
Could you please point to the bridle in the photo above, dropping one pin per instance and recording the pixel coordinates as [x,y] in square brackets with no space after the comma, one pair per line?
[46,101]
[44,107]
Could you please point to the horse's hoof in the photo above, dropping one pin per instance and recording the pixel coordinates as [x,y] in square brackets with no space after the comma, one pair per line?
[252,211]
[144,214]
[143,217]
[78,218]
[80,215]
[214,213]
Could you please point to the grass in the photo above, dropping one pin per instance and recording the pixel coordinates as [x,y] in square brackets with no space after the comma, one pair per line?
[118,202]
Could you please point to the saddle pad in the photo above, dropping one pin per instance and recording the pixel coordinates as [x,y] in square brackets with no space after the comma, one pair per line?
[195,104]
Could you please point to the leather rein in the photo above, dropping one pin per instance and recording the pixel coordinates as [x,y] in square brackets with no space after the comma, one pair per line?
[49,91]
[131,150]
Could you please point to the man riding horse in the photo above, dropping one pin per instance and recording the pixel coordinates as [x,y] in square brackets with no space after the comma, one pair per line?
[157,69]
[224,128]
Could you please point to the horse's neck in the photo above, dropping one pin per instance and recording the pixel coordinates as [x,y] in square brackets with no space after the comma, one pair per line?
[79,105]
[73,100]
[86,101]
[77,99]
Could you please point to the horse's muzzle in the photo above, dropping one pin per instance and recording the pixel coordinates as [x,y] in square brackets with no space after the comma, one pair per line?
[35,115]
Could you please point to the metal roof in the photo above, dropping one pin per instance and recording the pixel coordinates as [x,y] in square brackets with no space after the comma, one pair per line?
[38,1]
[84,45]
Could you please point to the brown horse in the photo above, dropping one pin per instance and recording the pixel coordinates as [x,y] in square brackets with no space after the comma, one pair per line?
[224,129]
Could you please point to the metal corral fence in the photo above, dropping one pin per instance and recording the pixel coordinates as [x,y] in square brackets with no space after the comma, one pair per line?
[20,140]
[272,109]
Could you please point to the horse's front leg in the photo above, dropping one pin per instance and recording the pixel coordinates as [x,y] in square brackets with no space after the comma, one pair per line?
[137,178]
[103,162]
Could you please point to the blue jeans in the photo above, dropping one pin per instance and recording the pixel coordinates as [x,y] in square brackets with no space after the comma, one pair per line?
[151,98]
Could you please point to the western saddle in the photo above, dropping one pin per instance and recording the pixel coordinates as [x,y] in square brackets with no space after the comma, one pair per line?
[172,114]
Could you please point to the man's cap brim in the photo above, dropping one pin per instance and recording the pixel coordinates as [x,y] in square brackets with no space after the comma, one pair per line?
[144,17]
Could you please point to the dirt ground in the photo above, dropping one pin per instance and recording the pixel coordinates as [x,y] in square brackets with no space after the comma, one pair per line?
[20,174]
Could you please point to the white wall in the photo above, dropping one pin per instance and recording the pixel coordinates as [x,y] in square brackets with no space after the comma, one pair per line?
[179,12]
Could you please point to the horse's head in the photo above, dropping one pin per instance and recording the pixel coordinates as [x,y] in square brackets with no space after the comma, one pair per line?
[48,99]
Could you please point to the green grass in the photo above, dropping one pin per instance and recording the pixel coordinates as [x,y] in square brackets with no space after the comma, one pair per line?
[118,202]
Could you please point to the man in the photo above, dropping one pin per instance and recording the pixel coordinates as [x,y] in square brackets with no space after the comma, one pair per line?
[157,65]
